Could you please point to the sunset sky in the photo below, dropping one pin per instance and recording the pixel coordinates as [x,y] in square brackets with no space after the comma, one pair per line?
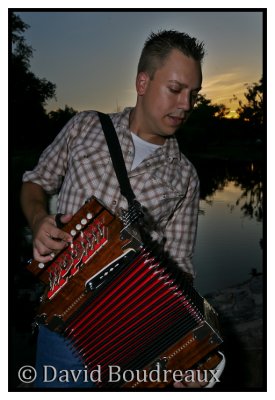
[92,56]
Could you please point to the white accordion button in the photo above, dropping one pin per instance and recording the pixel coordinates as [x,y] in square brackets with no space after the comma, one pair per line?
[78,227]
[41,265]
[73,232]
[84,221]
[89,216]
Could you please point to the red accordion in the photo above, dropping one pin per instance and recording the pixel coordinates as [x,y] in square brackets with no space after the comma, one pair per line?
[124,307]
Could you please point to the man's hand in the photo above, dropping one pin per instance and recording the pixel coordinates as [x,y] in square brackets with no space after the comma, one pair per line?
[207,377]
[49,240]
[194,379]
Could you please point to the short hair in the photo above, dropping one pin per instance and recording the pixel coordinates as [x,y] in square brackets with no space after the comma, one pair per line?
[159,45]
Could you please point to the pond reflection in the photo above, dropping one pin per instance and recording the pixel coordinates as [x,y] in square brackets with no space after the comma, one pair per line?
[230,235]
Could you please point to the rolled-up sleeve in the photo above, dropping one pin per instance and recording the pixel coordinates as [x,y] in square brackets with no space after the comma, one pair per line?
[52,164]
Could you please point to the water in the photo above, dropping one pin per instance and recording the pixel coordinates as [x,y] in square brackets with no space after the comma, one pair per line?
[229,238]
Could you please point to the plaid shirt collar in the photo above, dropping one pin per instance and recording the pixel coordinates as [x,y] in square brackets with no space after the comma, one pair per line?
[168,150]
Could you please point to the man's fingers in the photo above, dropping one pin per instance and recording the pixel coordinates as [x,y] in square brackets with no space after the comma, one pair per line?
[41,258]
[48,239]
[178,385]
[45,244]
[66,218]
[56,233]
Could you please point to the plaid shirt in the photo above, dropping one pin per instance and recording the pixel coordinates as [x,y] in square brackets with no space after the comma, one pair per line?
[77,165]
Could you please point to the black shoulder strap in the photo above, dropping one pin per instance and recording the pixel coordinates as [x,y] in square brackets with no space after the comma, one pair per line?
[117,157]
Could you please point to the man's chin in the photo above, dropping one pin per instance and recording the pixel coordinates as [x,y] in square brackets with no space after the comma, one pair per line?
[170,131]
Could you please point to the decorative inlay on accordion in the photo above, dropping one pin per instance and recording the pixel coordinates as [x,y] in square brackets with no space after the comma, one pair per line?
[123,306]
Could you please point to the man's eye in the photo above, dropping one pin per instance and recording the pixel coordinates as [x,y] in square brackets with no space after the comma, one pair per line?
[172,90]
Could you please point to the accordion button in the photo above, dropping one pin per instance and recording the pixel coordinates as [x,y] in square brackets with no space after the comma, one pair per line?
[73,232]
[41,265]
[83,221]
[78,227]
[89,216]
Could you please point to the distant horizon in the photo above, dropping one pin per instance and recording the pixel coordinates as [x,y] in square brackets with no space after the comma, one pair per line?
[92,56]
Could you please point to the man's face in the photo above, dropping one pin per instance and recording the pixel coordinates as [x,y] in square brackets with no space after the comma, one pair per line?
[167,99]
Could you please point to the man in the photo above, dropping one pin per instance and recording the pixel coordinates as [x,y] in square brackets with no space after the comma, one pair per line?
[77,165]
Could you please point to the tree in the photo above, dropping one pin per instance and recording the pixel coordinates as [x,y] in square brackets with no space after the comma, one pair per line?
[20,50]
[252,111]
[204,110]
[203,125]
[28,93]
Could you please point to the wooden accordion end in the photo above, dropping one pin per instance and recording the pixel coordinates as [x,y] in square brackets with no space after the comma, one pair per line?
[124,307]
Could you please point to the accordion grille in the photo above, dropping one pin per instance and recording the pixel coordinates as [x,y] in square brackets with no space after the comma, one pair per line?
[144,309]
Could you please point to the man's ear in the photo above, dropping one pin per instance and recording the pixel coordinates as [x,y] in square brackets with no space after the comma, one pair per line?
[141,83]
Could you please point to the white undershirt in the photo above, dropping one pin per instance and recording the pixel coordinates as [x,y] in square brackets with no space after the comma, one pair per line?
[143,149]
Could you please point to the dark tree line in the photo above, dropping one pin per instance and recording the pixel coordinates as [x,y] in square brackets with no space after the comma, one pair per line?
[209,126]
[28,94]
[30,124]
[32,127]
[252,110]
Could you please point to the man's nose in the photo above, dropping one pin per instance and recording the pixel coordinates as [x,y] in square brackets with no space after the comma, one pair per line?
[185,101]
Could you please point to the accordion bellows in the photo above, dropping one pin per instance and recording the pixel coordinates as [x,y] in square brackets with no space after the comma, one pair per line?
[123,306]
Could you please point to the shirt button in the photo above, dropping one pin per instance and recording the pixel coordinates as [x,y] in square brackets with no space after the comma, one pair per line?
[114,202]
[148,164]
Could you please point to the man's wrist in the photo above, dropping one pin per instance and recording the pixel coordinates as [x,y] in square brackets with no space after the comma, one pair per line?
[218,371]
[37,217]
